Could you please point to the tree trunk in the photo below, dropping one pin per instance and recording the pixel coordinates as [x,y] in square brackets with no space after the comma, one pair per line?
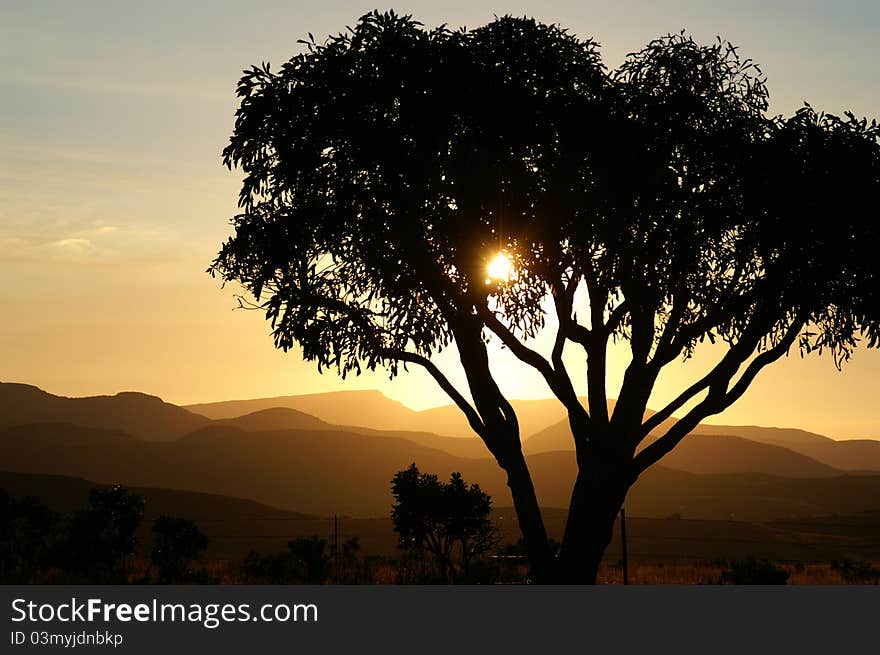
[598,495]
[528,513]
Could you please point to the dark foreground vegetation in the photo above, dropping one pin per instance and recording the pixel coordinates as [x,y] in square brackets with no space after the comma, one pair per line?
[109,541]
[96,544]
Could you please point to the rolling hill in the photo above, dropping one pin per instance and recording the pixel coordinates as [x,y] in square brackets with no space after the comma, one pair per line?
[275,418]
[137,414]
[372,409]
[845,455]
[322,472]
[283,418]
[710,454]
[533,415]
[365,408]
[235,526]
[371,413]
[725,454]
[337,472]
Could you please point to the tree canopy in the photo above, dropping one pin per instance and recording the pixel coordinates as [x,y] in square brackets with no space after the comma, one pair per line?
[386,167]
[176,543]
[447,519]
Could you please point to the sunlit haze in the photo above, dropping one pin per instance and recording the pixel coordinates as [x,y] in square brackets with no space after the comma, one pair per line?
[113,200]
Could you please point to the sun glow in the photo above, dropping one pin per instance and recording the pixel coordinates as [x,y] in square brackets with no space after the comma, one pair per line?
[499,269]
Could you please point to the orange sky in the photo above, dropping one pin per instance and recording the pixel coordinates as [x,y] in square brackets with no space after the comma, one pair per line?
[113,200]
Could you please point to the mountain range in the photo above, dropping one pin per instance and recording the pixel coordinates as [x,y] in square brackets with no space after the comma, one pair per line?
[847,455]
[140,415]
[332,459]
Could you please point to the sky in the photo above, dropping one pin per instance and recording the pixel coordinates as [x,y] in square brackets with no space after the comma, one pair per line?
[113,200]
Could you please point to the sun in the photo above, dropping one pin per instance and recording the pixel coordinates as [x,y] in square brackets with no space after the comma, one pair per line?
[499,269]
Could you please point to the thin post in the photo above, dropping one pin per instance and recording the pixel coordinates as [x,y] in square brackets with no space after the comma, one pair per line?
[335,549]
[623,545]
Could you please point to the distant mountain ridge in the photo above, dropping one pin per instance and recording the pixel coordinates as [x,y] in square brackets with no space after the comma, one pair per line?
[336,472]
[374,410]
[544,428]
[369,407]
[138,414]
[275,418]
[232,524]
[28,410]
[845,455]
[235,526]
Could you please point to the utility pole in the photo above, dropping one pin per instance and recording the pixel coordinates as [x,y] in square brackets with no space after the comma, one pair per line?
[335,549]
[623,545]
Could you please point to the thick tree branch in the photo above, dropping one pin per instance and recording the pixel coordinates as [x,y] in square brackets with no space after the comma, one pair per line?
[722,372]
[579,419]
[370,332]
[558,380]
[563,298]
[517,347]
[718,399]
[767,357]
[727,366]
[638,379]
[595,343]
[470,413]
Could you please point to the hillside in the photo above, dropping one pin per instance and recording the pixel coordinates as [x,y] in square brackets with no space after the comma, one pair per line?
[137,414]
[336,472]
[845,455]
[371,413]
[275,418]
[724,454]
[708,454]
[65,494]
[235,526]
[314,471]
[365,408]
[372,409]
[283,418]
[533,415]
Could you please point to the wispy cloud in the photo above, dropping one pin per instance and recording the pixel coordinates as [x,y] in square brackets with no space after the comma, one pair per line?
[90,244]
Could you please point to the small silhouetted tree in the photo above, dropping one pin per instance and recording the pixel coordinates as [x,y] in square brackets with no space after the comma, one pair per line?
[304,561]
[98,539]
[27,534]
[657,204]
[270,569]
[176,543]
[351,564]
[310,554]
[442,518]
[752,571]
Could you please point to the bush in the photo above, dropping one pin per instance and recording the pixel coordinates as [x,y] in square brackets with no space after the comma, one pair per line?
[304,562]
[176,543]
[753,571]
[855,571]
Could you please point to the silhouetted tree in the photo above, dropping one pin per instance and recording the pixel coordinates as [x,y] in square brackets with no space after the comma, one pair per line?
[97,540]
[387,167]
[176,543]
[304,561]
[750,570]
[27,534]
[351,566]
[310,553]
[442,518]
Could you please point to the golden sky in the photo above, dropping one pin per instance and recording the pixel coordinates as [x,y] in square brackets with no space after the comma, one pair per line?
[113,200]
